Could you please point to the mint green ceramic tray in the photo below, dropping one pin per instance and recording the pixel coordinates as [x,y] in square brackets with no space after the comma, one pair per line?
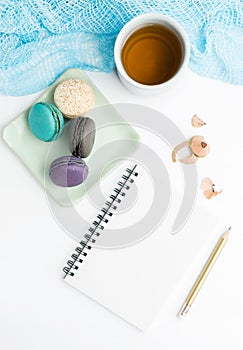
[37,155]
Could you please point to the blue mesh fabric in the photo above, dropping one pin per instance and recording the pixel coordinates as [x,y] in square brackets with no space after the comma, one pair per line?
[40,39]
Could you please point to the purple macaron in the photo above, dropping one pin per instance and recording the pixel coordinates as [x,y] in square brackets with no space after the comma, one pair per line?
[68,171]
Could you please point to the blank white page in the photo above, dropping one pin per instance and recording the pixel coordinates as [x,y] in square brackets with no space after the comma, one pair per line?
[133,282]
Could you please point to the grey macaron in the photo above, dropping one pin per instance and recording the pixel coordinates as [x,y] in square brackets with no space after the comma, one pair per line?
[82,136]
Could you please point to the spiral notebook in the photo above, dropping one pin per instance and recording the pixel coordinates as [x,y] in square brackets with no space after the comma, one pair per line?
[134,280]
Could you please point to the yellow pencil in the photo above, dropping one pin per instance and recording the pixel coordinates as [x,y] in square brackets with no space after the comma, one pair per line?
[204,273]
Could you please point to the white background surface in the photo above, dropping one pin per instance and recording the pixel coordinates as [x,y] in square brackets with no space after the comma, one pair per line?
[39,311]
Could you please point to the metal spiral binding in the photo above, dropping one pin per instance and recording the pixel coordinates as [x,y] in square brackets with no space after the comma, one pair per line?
[90,237]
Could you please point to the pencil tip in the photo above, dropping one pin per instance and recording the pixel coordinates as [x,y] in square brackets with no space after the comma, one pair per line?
[227,233]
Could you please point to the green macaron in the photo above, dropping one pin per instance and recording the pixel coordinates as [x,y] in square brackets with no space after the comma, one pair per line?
[46,121]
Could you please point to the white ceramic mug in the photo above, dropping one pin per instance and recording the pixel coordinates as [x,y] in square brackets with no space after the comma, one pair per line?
[128,29]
